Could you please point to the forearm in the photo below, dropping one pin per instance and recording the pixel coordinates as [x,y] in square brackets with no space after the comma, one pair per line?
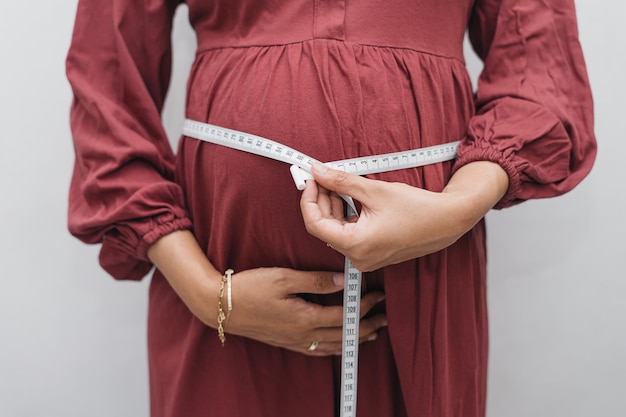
[183,263]
[480,185]
[265,308]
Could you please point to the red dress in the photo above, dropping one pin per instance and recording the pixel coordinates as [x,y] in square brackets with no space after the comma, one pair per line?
[334,79]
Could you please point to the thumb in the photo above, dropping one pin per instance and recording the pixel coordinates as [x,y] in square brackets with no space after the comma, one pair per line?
[342,182]
[315,282]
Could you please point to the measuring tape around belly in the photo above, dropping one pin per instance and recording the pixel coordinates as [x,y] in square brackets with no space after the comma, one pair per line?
[301,165]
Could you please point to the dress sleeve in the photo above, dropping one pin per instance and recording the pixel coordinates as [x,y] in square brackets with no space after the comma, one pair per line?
[122,192]
[534,107]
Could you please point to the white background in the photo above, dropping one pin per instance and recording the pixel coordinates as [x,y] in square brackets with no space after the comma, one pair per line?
[72,340]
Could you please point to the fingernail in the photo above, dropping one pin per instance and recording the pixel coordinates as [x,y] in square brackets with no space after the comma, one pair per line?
[379,299]
[338,279]
[320,168]
[372,337]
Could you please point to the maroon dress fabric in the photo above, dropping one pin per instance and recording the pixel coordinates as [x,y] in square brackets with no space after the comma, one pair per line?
[334,79]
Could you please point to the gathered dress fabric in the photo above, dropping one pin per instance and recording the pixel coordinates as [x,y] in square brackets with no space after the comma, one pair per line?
[334,79]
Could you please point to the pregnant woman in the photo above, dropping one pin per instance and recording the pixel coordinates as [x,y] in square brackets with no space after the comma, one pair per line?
[334,79]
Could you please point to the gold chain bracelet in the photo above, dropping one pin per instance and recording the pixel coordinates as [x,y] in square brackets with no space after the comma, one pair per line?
[222,318]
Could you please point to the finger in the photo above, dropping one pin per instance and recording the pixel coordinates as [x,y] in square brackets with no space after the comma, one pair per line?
[327,317]
[343,182]
[330,203]
[325,202]
[323,349]
[313,282]
[318,344]
[368,328]
[337,207]
[332,316]
[317,196]
[329,341]
[309,200]
[319,204]
[327,335]
[369,300]
[328,228]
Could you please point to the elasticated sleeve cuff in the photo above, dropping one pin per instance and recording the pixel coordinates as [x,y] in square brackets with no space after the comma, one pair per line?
[473,154]
[123,252]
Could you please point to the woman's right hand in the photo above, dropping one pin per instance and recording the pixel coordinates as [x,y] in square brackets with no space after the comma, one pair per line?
[266,305]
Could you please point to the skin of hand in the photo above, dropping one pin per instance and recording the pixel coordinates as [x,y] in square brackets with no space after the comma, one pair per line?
[265,302]
[398,222]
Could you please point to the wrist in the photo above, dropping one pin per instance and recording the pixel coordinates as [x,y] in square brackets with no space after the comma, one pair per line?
[476,187]
[189,272]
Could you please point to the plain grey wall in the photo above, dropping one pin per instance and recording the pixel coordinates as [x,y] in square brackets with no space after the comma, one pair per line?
[72,340]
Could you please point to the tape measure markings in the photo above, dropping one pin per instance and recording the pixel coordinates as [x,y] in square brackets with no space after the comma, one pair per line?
[248,143]
[350,341]
[398,160]
[362,165]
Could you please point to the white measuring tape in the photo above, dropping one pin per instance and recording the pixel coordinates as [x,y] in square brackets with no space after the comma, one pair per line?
[301,172]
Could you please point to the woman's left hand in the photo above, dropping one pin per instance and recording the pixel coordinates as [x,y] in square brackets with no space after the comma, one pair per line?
[397,222]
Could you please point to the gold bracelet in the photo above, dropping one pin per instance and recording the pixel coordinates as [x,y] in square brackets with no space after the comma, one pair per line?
[221,316]
[229,292]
